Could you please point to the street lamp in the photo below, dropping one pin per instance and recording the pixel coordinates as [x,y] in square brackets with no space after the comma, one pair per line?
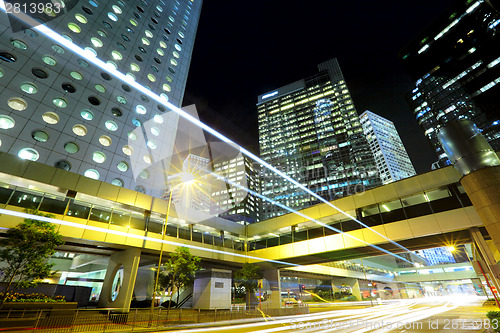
[187,179]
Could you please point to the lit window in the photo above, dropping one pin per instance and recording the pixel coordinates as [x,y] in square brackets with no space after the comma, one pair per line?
[87,114]
[158,119]
[166,87]
[28,154]
[152,144]
[91,173]
[169,78]
[111,64]
[49,60]
[96,42]
[76,75]
[133,22]
[132,136]
[112,17]
[116,9]
[164,97]
[144,174]
[40,136]
[151,78]
[19,44]
[134,67]
[178,47]
[130,77]
[140,109]
[105,140]
[117,182]
[6,122]
[136,122]
[50,118]
[122,166]
[29,88]
[176,54]
[160,52]
[99,157]
[127,150]
[1,72]
[155,131]
[93,3]
[148,159]
[17,104]
[163,44]
[80,130]
[71,147]
[60,102]
[111,125]
[80,18]
[100,88]
[145,41]
[90,52]
[74,27]
[149,34]
[116,55]
[58,49]
[121,99]
[173,62]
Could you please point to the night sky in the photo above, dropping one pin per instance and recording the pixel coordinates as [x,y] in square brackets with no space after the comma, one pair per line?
[246,48]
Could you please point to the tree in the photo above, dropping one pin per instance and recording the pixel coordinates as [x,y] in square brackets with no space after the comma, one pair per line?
[248,277]
[25,251]
[181,268]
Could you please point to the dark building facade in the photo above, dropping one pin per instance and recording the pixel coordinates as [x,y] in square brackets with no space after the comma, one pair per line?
[455,65]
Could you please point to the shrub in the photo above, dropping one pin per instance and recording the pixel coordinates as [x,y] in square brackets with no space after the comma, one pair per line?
[494,317]
[35,297]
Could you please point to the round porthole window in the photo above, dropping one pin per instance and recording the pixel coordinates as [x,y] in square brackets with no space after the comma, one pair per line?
[6,122]
[17,104]
[99,157]
[40,136]
[91,173]
[105,140]
[71,147]
[28,154]
[50,118]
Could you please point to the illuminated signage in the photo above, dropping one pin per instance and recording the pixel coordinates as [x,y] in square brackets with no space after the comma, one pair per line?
[274,93]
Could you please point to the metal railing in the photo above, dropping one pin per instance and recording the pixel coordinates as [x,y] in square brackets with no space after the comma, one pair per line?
[109,320]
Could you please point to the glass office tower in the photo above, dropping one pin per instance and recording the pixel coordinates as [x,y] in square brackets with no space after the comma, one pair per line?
[454,63]
[58,109]
[390,155]
[310,131]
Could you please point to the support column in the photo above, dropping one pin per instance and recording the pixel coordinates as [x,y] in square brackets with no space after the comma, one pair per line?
[129,261]
[273,278]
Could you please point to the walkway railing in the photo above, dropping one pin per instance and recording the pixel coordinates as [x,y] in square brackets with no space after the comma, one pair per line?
[62,321]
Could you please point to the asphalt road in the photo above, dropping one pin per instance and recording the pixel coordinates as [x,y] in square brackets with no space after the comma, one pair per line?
[437,315]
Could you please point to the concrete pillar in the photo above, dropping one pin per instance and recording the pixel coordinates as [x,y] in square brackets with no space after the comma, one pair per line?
[129,261]
[483,188]
[212,289]
[351,282]
[272,276]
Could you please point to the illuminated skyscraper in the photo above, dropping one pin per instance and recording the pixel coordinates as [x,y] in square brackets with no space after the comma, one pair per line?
[234,200]
[390,155]
[455,65]
[57,108]
[310,130]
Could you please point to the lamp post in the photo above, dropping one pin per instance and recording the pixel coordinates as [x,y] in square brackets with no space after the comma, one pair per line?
[187,179]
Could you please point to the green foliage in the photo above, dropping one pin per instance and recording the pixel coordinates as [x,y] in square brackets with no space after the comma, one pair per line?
[25,251]
[16,297]
[180,269]
[248,277]
[494,317]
